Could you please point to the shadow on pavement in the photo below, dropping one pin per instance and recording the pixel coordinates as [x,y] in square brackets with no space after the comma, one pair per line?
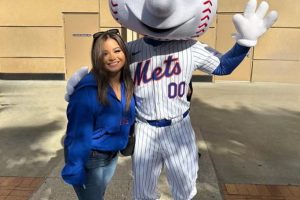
[250,145]
[29,151]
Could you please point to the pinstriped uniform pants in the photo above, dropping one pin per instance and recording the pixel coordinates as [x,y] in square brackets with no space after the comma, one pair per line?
[173,147]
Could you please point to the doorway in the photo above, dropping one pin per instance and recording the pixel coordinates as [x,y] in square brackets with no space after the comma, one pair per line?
[79,29]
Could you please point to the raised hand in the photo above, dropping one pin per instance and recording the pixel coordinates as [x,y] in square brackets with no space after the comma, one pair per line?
[74,80]
[253,23]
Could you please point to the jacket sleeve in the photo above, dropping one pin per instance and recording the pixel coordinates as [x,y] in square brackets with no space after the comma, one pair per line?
[79,134]
[230,60]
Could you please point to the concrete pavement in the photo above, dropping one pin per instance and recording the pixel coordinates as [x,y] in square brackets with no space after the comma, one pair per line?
[32,116]
[250,131]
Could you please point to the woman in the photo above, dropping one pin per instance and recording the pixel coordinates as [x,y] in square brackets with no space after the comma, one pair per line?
[100,114]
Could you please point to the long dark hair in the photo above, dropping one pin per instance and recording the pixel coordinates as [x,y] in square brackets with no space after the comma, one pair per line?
[101,75]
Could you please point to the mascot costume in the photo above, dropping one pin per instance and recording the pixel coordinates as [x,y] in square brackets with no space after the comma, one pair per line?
[162,63]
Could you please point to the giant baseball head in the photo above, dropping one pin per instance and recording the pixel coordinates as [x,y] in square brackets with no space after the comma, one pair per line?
[165,19]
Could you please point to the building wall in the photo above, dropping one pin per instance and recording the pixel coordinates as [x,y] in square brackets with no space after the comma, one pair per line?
[32,38]
[276,57]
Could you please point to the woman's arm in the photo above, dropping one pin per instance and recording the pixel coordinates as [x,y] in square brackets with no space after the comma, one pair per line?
[78,139]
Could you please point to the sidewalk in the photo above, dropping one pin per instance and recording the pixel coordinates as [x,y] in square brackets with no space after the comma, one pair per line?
[121,185]
[248,135]
[32,116]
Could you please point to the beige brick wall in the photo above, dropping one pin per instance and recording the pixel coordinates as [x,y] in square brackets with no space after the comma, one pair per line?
[32,34]
[32,65]
[31,42]
[41,12]
[106,20]
[283,71]
[32,38]
[276,57]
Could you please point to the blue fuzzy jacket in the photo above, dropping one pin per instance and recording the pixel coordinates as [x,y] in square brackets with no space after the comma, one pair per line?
[92,125]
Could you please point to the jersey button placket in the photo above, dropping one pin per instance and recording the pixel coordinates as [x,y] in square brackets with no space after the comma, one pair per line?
[157,83]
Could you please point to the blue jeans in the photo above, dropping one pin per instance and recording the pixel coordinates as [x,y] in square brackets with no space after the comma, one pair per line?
[100,168]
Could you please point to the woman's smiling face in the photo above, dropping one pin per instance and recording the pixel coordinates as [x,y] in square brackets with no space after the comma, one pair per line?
[113,56]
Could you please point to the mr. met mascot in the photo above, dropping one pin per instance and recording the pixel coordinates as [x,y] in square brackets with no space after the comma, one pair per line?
[162,63]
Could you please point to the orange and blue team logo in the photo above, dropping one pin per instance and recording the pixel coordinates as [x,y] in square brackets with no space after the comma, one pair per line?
[171,67]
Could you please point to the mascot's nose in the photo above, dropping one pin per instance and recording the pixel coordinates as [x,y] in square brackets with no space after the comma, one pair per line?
[160,8]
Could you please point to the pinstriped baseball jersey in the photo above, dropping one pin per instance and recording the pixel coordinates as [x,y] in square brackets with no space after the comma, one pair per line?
[162,73]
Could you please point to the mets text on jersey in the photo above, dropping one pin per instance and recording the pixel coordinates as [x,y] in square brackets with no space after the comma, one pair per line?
[171,67]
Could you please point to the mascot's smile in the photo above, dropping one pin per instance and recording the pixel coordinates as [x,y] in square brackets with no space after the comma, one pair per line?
[157,29]
[162,30]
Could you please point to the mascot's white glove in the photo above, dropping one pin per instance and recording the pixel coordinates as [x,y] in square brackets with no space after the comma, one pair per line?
[74,80]
[251,25]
